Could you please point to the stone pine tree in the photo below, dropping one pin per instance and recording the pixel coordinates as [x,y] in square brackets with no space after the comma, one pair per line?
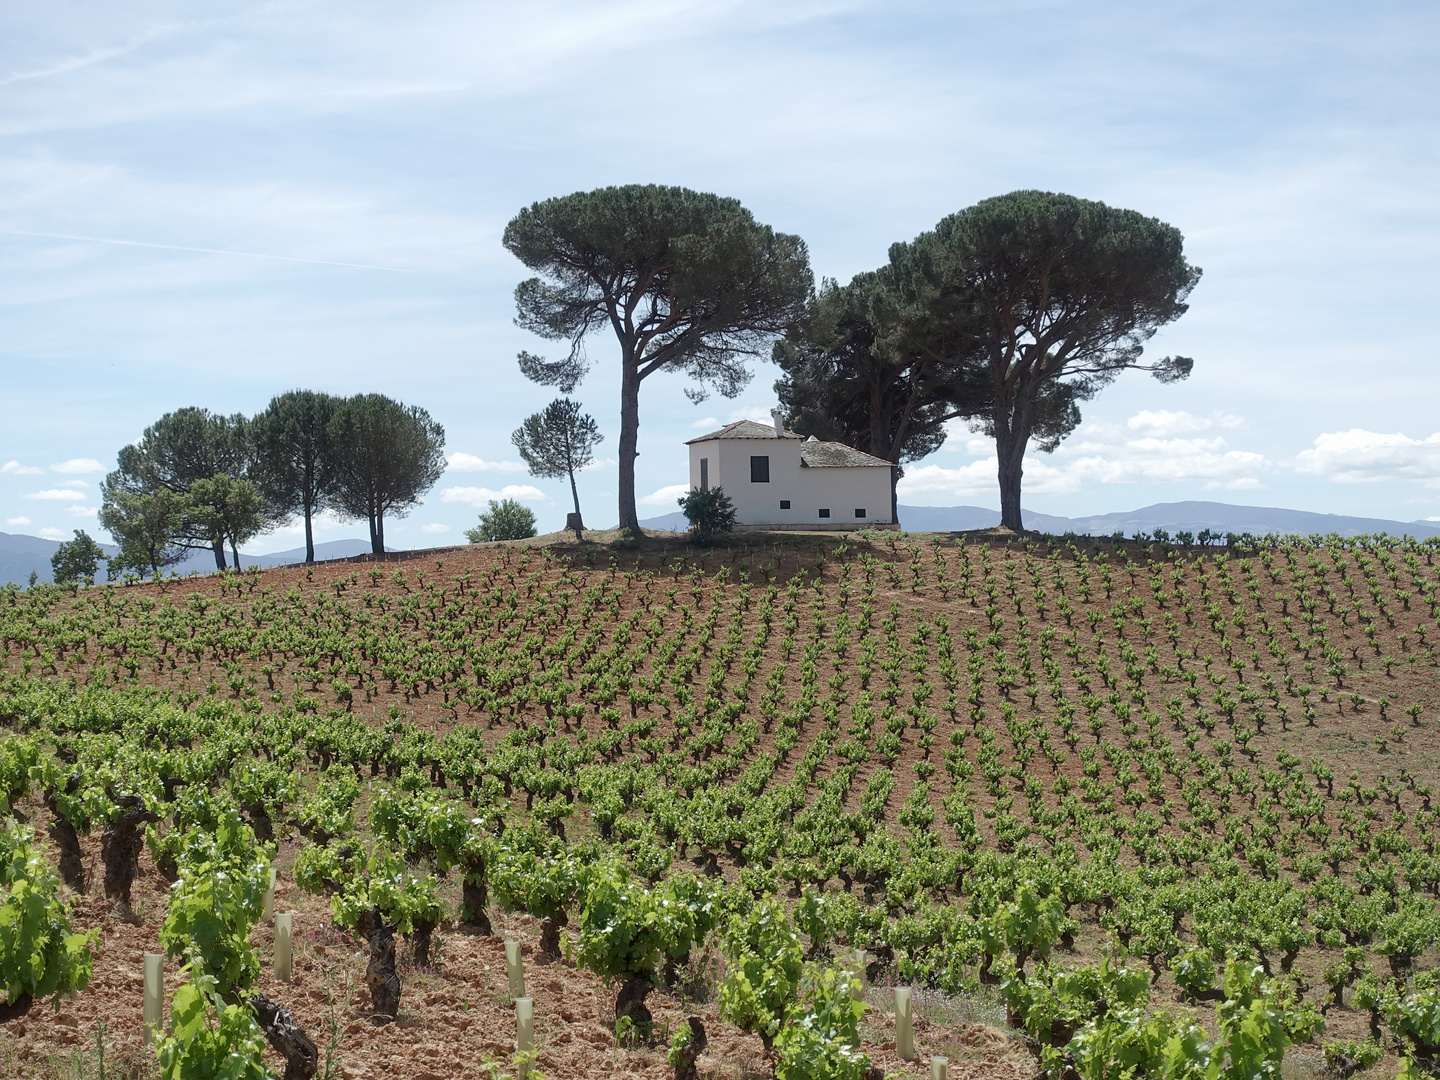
[385,457]
[687,282]
[1055,296]
[293,435]
[556,442]
[864,367]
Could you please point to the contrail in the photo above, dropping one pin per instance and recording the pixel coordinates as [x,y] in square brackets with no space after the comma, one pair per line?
[205,251]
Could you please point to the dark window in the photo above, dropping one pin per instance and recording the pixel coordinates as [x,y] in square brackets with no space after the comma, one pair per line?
[859,513]
[824,513]
[784,504]
[759,469]
[704,474]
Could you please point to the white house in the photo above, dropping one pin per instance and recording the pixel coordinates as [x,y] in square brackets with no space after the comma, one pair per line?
[778,479]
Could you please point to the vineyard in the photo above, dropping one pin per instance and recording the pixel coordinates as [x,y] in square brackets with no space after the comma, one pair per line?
[1110,808]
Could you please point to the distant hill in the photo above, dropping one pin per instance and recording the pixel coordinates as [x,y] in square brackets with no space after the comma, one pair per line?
[1191,516]
[21,554]
[674,521]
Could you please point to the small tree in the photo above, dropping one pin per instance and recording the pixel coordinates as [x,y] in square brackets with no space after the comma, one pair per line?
[709,511]
[506,520]
[228,507]
[145,527]
[555,443]
[75,561]
[386,456]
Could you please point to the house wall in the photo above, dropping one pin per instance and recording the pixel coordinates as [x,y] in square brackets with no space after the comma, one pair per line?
[841,490]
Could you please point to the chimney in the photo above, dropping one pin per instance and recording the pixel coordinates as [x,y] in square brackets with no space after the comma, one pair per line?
[776,414]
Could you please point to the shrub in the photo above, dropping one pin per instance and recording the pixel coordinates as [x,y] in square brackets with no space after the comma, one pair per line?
[709,511]
[75,561]
[505,520]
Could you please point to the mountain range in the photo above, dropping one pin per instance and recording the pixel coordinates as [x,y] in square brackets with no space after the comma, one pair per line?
[1189,516]
[21,555]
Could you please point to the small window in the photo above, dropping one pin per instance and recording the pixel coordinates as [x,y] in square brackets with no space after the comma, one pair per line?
[860,513]
[704,474]
[784,504]
[824,513]
[760,469]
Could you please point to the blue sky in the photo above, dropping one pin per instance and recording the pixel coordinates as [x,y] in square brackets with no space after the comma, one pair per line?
[209,204]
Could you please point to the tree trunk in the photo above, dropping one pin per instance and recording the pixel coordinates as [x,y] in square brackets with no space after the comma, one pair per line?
[575,494]
[235,552]
[218,546]
[120,846]
[1012,432]
[631,1002]
[550,935]
[380,977]
[302,1059]
[629,438]
[473,901]
[420,942]
[686,1053]
[895,473]
[72,864]
[309,532]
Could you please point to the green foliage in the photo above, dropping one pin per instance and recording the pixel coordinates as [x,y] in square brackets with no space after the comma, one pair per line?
[1352,1055]
[401,895]
[623,927]
[75,561]
[542,884]
[147,526]
[39,955]
[506,519]
[558,441]
[820,1040]
[216,902]
[766,963]
[209,1039]
[710,512]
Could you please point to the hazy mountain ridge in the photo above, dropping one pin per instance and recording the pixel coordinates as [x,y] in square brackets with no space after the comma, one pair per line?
[20,554]
[1189,516]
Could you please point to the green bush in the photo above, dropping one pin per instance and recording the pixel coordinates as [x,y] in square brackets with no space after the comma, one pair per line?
[505,520]
[709,511]
[39,956]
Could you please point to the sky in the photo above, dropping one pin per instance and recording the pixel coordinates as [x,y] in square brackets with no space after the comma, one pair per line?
[212,204]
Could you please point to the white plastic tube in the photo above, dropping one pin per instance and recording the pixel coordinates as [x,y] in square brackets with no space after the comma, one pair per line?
[284,923]
[154,994]
[524,1025]
[939,1068]
[904,1025]
[267,904]
[514,968]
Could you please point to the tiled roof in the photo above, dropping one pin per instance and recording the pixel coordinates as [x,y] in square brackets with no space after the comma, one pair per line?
[744,429]
[834,455]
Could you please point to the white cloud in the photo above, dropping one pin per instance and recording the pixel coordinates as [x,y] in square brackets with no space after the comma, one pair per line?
[57,495]
[17,521]
[1163,422]
[704,423]
[756,412]
[479,496]
[1147,449]
[435,527]
[83,511]
[14,468]
[52,533]
[666,496]
[1358,456]
[461,462]
[600,463]
[77,465]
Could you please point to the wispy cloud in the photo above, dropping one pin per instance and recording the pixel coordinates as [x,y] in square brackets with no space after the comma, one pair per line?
[665,496]
[435,528]
[462,462]
[57,495]
[480,496]
[14,468]
[17,521]
[76,466]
